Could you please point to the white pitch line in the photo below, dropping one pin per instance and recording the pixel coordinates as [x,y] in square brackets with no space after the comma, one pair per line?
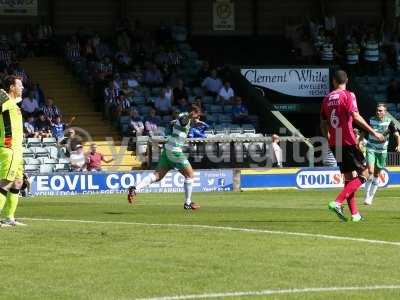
[277,291]
[238,229]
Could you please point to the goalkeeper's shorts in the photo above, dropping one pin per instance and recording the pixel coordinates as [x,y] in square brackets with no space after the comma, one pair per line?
[11,164]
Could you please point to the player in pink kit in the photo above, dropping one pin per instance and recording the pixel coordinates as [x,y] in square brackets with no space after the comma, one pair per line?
[339,110]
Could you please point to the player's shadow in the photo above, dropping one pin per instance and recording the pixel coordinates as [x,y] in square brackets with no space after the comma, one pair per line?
[113,213]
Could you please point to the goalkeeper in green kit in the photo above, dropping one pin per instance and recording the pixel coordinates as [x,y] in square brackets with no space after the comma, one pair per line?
[377,151]
[11,149]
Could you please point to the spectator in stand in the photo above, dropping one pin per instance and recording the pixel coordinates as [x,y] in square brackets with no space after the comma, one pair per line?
[371,47]
[327,53]
[21,73]
[122,107]
[179,91]
[49,109]
[136,126]
[330,24]
[30,127]
[152,122]
[240,113]
[162,104]
[393,91]
[306,49]
[152,76]
[277,151]
[198,129]
[73,49]
[104,69]
[39,94]
[43,125]
[30,104]
[169,93]
[123,60]
[132,81]
[226,93]
[77,159]
[320,39]
[183,105]
[212,84]
[204,71]
[137,74]
[70,142]
[58,128]
[179,32]
[352,56]
[95,158]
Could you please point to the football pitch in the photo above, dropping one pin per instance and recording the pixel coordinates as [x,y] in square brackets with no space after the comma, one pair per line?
[281,244]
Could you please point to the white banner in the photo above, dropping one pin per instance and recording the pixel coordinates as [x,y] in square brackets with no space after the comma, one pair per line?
[19,7]
[298,82]
[223,15]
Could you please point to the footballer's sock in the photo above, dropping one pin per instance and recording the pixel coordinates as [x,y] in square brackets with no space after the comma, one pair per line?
[188,190]
[11,204]
[3,198]
[146,181]
[351,201]
[374,187]
[349,189]
[368,185]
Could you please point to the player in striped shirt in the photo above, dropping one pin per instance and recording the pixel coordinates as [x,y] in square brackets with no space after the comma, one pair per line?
[172,157]
[377,151]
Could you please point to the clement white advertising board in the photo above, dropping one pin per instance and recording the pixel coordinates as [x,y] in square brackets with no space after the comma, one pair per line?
[298,82]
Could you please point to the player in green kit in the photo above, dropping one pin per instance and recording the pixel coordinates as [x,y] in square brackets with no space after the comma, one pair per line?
[377,151]
[11,149]
[172,157]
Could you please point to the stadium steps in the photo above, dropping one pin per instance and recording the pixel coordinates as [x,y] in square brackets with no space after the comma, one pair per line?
[73,101]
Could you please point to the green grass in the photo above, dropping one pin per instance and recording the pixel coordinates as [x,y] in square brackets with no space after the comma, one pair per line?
[70,260]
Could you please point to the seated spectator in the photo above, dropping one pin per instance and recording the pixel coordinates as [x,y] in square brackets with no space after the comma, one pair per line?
[49,109]
[137,74]
[179,32]
[212,84]
[104,69]
[78,160]
[239,112]
[136,126]
[43,126]
[204,71]
[30,128]
[198,128]
[30,105]
[132,81]
[277,151]
[169,93]
[183,105]
[123,60]
[123,106]
[111,92]
[162,104]
[95,158]
[58,128]
[70,142]
[226,93]
[152,76]
[126,89]
[152,122]
[179,91]
[306,49]
[393,91]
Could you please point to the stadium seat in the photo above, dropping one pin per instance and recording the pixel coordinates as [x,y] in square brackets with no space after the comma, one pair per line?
[228,109]
[31,169]
[49,142]
[155,91]
[208,100]
[48,161]
[34,142]
[28,152]
[46,169]
[216,109]
[61,168]
[139,100]
[40,152]
[224,119]
[31,161]
[53,152]
[144,110]
[64,160]
[248,128]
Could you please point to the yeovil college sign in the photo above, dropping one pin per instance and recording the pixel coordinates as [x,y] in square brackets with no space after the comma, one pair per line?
[298,82]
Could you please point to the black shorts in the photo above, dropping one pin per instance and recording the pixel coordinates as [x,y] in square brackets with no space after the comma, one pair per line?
[349,159]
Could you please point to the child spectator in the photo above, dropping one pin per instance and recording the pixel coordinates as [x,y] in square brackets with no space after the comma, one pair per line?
[58,127]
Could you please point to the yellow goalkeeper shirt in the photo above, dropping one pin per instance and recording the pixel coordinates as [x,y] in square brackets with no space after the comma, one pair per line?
[11,126]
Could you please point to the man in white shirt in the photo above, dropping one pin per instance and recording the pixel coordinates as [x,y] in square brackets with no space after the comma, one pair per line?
[78,160]
[30,104]
[277,151]
[226,93]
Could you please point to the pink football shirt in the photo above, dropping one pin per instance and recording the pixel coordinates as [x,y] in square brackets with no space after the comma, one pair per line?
[337,109]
